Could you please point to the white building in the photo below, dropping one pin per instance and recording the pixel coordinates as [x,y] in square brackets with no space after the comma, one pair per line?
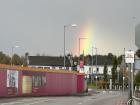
[88,69]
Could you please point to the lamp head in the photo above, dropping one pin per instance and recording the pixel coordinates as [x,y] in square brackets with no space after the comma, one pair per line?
[74,25]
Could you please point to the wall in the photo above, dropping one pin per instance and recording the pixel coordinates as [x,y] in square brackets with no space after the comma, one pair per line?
[61,84]
[3,89]
[56,83]
[80,83]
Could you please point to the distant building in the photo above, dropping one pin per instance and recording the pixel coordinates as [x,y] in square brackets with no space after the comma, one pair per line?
[100,69]
[49,62]
[89,70]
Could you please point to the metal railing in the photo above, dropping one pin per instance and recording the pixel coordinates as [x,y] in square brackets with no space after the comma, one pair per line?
[129,101]
[133,101]
[136,101]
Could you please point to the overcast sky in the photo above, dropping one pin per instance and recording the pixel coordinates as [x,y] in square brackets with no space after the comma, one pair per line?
[37,26]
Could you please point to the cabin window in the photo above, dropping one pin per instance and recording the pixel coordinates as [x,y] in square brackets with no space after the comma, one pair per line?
[38,81]
[46,67]
[53,67]
[60,67]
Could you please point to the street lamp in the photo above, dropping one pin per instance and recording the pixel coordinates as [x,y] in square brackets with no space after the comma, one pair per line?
[13,53]
[96,63]
[79,47]
[92,65]
[79,51]
[123,67]
[65,26]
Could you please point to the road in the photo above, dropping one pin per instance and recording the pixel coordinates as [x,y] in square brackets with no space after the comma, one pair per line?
[102,98]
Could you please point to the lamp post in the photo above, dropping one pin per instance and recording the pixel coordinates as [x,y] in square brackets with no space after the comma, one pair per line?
[70,57]
[79,44]
[13,53]
[65,26]
[124,68]
[92,65]
[96,63]
[96,60]
[79,47]
[79,51]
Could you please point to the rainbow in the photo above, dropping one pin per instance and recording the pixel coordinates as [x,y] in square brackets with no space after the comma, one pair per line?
[86,31]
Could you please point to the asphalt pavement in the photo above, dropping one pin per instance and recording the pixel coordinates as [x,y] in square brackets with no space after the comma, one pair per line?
[93,98]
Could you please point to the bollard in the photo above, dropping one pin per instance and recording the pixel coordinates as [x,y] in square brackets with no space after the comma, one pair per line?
[119,88]
[115,87]
[135,88]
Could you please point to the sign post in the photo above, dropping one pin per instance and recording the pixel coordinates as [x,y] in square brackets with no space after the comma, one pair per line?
[129,58]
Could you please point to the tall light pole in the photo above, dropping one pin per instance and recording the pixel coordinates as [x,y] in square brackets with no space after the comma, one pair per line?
[96,60]
[79,47]
[92,65]
[92,59]
[13,53]
[70,58]
[96,63]
[65,26]
[124,68]
[96,68]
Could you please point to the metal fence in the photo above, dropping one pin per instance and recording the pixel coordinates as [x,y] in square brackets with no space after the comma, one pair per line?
[135,99]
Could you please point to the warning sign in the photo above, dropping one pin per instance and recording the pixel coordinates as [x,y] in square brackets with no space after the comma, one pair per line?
[129,57]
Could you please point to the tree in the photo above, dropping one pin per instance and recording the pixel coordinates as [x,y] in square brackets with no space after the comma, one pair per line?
[88,59]
[110,56]
[137,78]
[16,60]
[76,59]
[114,69]
[138,53]
[4,59]
[120,59]
[24,61]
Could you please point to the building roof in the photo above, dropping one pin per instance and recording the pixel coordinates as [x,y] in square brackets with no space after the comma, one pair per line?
[48,61]
[20,68]
[101,60]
